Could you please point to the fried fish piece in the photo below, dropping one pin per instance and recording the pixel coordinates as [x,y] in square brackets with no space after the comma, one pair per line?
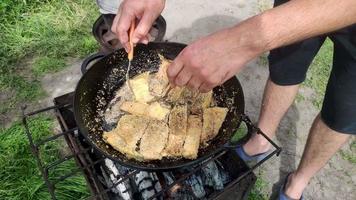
[155,110]
[158,111]
[180,95]
[174,94]
[134,107]
[127,133]
[201,101]
[178,131]
[159,82]
[154,140]
[140,88]
[119,144]
[192,140]
[212,121]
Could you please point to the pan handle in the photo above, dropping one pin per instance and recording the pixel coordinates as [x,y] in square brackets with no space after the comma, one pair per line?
[94,57]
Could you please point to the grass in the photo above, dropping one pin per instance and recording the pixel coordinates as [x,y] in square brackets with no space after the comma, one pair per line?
[46,32]
[19,175]
[349,155]
[257,190]
[319,72]
[240,133]
[36,37]
[43,65]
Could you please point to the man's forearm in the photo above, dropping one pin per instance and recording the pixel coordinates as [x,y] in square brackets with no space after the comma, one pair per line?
[295,21]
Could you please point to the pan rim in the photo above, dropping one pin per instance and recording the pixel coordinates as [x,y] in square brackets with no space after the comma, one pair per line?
[85,133]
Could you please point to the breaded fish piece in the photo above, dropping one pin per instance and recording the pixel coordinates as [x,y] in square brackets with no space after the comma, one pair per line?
[192,140]
[154,140]
[118,143]
[212,121]
[158,111]
[174,94]
[135,108]
[178,131]
[159,82]
[127,133]
[201,101]
[180,95]
[154,110]
[139,86]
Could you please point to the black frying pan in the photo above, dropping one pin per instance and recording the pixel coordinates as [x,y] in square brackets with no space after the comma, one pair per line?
[97,86]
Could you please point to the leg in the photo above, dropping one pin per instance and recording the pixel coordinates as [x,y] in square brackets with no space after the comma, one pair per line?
[337,118]
[276,101]
[322,144]
[288,67]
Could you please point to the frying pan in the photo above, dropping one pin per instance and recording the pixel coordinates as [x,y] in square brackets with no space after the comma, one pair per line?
[97,86]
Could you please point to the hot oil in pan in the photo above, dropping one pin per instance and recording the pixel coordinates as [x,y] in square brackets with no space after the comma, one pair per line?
[112,115]
[114,79]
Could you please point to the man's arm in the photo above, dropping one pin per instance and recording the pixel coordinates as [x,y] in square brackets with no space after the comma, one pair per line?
[212,60]
[301,19]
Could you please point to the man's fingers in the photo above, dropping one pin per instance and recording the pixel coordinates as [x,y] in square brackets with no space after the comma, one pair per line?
[143,26]
[173,70]
[122,29]
[205,87]
[144,40]
[183,77]
[194,83]
[114,23]
[226,77]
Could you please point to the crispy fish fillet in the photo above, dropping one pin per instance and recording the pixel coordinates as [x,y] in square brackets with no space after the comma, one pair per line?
[174,94]
[118,143]
[192,140]
[201,101]
[157,111]
[180,95]
[140,88]
[134,107]
[154,110]
[154,140]
[212,121]
[127,133]
[159,81]
[178,131]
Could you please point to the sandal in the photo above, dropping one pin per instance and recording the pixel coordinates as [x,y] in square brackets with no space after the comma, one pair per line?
[247,158]
[282,194]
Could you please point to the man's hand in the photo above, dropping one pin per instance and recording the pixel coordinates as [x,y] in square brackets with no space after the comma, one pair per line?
[210,61]
[145,12]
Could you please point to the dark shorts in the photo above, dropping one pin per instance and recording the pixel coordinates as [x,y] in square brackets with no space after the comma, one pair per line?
[289,64]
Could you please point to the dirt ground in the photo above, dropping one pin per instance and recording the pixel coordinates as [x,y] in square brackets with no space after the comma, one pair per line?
[188,22]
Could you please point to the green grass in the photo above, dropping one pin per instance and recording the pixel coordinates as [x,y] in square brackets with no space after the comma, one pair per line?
[319,72]
[240,133]
[349,155]
[46,32]
[43,65]
[19,175]
[257,190]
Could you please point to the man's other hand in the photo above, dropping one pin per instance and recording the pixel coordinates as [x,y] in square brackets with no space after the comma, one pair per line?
[143,12]
[209,61]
